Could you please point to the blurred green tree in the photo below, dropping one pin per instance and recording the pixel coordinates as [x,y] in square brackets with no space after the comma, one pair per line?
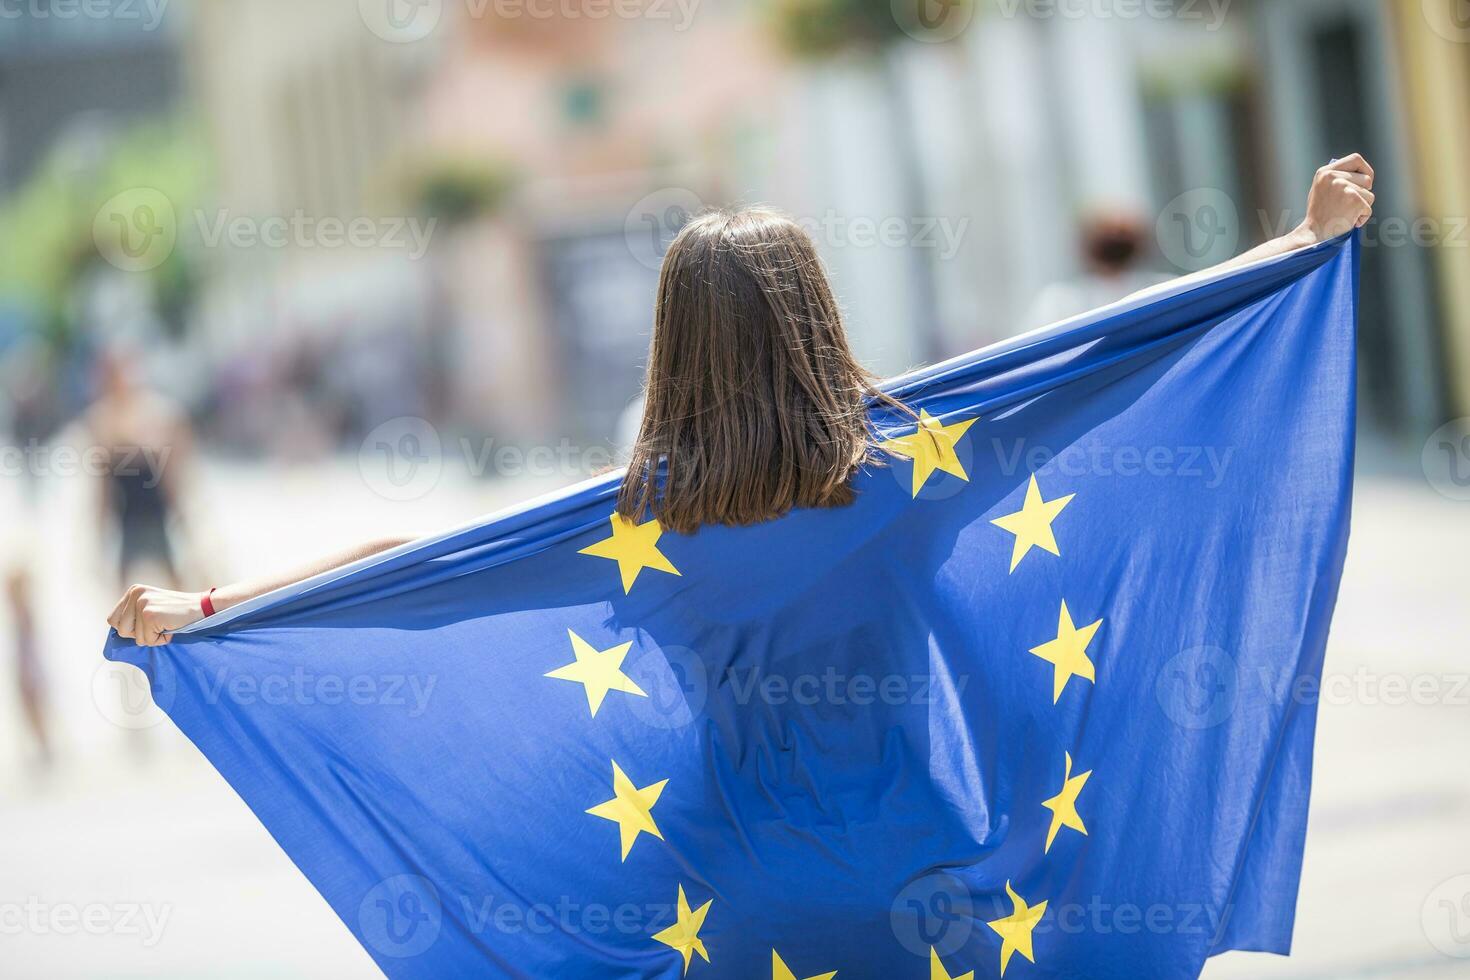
[456,191]
[814,28]
[46,226]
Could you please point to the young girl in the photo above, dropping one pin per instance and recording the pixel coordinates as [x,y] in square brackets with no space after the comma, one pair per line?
[755,403]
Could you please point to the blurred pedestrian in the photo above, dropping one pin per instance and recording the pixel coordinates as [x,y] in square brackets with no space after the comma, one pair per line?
[1114,245]
[29,680]
[147,438]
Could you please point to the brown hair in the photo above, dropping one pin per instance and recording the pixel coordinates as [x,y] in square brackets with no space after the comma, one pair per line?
[755,403]
[1112,242]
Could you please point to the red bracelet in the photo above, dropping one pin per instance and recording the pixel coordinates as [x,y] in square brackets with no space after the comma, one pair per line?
[206,603]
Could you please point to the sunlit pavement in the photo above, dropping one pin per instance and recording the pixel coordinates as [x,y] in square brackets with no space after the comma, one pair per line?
[1386,886]
[134,859]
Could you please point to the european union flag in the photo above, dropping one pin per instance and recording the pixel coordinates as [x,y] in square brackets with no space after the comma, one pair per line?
[1029,707]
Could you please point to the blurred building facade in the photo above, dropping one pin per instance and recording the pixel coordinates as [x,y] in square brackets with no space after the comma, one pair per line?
[1436,67]
[527,310]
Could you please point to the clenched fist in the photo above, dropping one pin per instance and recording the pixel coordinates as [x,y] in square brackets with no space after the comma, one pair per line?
[149,616]
[1341,198]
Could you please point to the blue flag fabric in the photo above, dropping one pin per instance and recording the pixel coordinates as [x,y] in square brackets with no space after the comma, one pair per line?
[1032,705]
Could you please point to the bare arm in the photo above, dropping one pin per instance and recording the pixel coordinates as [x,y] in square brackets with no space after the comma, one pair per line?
[232,595]
[149,615]
[1340,200]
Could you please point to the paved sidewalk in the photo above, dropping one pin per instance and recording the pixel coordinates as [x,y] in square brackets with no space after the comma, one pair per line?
[1388,834]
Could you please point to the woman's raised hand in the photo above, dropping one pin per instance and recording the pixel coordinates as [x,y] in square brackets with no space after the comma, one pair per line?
[1341,198]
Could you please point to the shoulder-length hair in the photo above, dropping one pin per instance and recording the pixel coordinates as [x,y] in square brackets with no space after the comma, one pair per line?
[754,401]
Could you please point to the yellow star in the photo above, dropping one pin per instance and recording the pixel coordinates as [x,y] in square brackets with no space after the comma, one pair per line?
[683,935]
[780,971]
[931,447]
[599,671]
[1068,652]
[1015,929]
[938,972]
[630,808]
[634,547]
[1032,523]
[1063,806]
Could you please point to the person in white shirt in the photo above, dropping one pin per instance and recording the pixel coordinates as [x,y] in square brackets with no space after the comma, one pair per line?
[1113,250]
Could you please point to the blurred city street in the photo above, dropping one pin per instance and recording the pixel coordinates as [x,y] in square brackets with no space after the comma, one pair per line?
[256,254]
[1390,804]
